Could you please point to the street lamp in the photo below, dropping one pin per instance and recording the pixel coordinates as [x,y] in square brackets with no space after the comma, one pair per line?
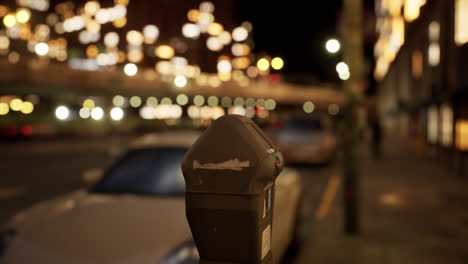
[333,46]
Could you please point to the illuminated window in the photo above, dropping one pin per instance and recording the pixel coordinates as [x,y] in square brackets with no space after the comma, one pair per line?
[433,124]
[461,20]
[462,135]
[446,115]
[433,53]
[417,64]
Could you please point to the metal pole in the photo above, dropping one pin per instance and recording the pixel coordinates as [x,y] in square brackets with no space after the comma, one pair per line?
[350,135]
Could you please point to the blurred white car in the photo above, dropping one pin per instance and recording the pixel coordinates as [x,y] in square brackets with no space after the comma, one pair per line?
[306,139]
[134,214]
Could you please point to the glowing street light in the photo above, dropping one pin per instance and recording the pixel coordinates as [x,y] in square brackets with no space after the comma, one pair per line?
[277,63]
[263,64]
[117,113]
[130,69]
[97,113]
[333,46]
[62,112]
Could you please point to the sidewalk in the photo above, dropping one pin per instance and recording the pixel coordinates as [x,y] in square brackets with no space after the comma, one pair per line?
[412,211]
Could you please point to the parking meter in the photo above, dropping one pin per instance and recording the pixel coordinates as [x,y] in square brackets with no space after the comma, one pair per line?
[230,174]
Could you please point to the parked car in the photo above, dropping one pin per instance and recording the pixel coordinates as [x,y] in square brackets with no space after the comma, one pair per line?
[134,214]
[306,139]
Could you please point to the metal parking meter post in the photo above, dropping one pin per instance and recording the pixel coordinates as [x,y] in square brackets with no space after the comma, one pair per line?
[230,175]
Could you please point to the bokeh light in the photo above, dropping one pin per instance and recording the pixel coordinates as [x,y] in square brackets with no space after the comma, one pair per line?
[135,101]
[198,100]
[308,107]
[277,63]
[118,100]
[180,81]
[27,108]
[97,113]
[62,112]
[117,113]
[182,99]
[263,64]
[130,69]
[333,46]
[4,109]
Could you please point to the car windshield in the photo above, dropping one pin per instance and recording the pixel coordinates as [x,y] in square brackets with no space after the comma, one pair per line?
[151,171]
[303,125]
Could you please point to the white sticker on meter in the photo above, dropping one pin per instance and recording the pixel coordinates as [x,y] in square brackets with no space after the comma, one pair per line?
[266,241]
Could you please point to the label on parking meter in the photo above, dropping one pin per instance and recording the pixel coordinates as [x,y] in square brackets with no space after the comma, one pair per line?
[266,241]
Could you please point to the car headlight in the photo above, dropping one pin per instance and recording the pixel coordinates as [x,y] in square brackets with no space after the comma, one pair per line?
[5,239]
[186,253]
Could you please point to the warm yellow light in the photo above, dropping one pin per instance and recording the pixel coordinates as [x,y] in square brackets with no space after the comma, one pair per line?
[180,81]
[27,108]
[117,113]
[277,63]
[193,15]
[417,64]
[308,107]
[164,51]
[333,45]
[130,69]
[4,10]
[4,109]
[9,20]
[225,77]
[120,22]
[215,29]
[263,64]
[394,7]
[89,104]
[135,55]
[241,63]
[23,15]
[461,22]
[16,104]
[398,30]
[462,135]
[92,7]
[92,51]
[41,49]
[121,2]
[135,38]
[411,9]
[4,42]
[93,26]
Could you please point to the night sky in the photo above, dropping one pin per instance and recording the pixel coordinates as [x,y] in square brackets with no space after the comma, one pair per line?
[297,31]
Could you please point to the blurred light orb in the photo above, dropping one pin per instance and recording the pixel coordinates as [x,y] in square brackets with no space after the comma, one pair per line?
[308,107]
[239,101]
[252,72]
[342,68]
[84,113]
[270,104]
[152,101]
[62,112]
[180,81]
[27,108]
[118,100]
[23,15]
[182,99]
[4,42]
[117,113]
[166,101]
[120,23]
[333,46]
[213,100]
[224,66]
[179,62]
[9,20]
[344,76]
[214,44]
[111,39]
[333,109]
[207,7]
[89,104]
[277,63]
[135,55]
[130,69]
[13,57]
[97,113]
[190,30]
[151,33]
[4,109]
[16,104]
[226,102]
[225,38]
[193,15]
[41,49]
[135,101]
[238,110]
[247,25]
[250,102]
[134,38]
[240,34]
[92,7]
[214,29]
[52,19]
[194,112]
[263,64]
[198,100]
[164,52]
[164,67]
[240,49]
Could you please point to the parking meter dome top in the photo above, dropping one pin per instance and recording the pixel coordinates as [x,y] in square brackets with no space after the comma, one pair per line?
[232,156]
